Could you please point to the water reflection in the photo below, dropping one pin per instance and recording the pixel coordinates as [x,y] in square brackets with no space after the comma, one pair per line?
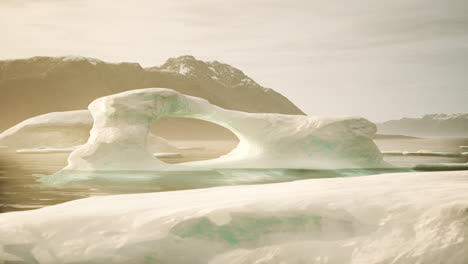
[21,190]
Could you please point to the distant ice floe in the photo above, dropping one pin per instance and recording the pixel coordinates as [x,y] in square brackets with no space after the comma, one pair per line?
[168,155]
[388,218]
[47,150]
[441,166]
[122,121]
[464,147]
[423,153]
[191,148]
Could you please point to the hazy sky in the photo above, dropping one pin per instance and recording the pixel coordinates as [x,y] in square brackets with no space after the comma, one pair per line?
[378,59]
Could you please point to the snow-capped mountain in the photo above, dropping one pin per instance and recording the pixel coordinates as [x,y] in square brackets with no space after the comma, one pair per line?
[41,85]
[428,125]
[221,73]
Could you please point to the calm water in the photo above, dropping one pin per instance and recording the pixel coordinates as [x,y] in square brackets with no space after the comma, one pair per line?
[19,189]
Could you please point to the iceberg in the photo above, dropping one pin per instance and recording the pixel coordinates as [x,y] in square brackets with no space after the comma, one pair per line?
[387,218]
[62,132]
[52,130]
[122,121]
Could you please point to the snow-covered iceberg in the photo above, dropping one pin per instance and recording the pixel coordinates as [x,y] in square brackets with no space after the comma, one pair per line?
[62,132]
[388,218]
[122,122]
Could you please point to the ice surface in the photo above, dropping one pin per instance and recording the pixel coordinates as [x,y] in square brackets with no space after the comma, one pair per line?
[62,130]
[386,218]
[122,121]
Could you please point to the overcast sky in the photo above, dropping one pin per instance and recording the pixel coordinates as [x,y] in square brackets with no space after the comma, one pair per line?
[377,59]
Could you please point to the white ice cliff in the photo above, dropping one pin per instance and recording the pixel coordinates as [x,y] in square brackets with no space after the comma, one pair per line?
[62,131]
[401,218]
[122,122]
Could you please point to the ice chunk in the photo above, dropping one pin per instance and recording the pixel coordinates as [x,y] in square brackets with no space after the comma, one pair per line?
[422,153]
[167,155]
[191,148]
[122,121]
[386,218]
[464,147]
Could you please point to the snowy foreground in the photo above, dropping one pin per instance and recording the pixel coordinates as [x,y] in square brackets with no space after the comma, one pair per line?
[388,218]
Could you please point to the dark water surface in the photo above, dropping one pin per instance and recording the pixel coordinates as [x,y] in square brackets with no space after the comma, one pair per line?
[20,190]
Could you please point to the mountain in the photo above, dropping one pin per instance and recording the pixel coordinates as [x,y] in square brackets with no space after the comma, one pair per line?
[428,125]
[38,85]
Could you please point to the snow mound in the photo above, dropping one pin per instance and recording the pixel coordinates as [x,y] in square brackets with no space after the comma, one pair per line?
[122,121]
[385,218]
[65,131]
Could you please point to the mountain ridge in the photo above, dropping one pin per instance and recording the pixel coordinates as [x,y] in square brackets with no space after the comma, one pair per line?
[439,124]
[38,85]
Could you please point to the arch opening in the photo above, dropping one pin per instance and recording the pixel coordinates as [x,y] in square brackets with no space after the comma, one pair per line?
[194,139]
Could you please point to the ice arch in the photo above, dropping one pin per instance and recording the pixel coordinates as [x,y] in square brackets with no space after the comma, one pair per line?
[122,121]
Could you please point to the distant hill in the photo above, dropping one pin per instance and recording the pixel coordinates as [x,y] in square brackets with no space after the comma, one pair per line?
[38,85]
[428,125]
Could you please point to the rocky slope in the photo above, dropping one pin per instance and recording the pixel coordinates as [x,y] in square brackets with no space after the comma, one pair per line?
[428,125]
[39,85]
